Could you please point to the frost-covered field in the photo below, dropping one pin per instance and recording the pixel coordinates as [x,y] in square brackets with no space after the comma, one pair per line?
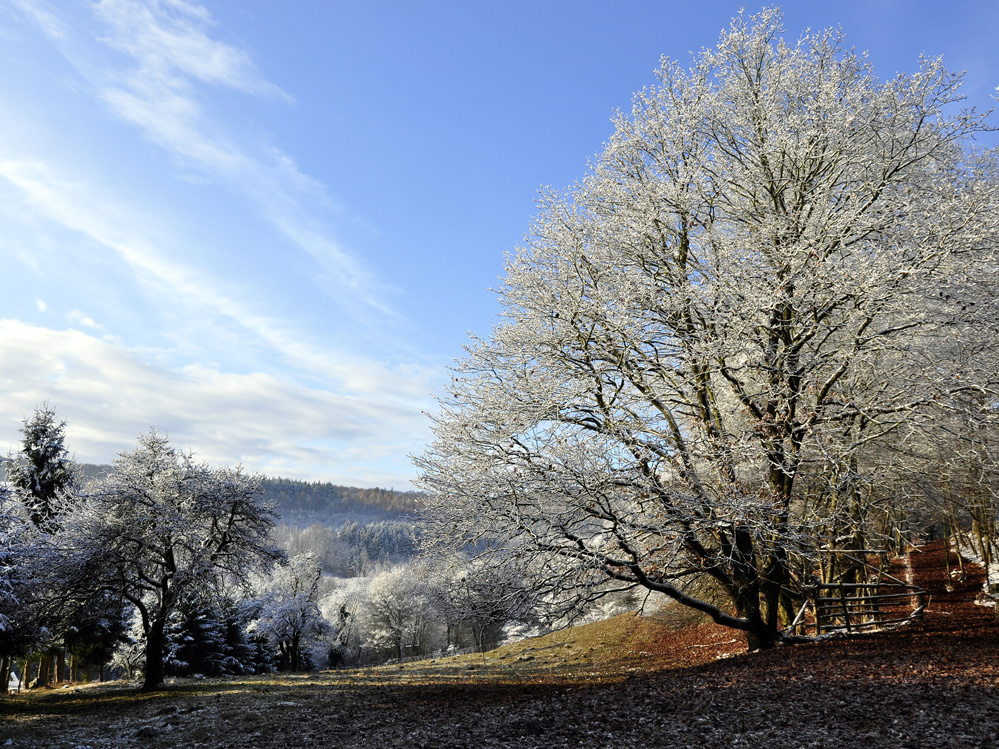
[624,682]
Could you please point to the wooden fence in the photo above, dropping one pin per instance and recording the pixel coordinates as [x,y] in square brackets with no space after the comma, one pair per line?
[864,597]
[856,607]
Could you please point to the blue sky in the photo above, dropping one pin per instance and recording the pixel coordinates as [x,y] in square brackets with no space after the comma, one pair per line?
[266,228]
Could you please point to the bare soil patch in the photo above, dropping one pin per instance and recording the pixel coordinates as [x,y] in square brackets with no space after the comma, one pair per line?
[627,682]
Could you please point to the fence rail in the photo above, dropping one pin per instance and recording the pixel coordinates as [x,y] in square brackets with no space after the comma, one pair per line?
[857,607]
[853,590]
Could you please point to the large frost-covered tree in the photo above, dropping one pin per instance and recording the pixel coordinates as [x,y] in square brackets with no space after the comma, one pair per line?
[161,528]
[709,345]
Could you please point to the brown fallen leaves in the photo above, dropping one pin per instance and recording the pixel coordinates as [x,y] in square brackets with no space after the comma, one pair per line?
[627,682]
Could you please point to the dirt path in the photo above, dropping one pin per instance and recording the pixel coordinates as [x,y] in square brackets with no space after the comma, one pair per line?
[929,684]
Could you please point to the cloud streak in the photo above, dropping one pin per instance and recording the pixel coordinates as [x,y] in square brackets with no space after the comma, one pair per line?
[80,208]
[171,55]
[109,394]
[50,24]
[169,43]
[80,319]
[168,66]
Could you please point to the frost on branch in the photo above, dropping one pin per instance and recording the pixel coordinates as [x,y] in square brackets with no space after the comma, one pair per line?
[12,531]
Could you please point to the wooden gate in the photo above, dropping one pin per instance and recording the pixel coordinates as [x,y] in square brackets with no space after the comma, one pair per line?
[861,597]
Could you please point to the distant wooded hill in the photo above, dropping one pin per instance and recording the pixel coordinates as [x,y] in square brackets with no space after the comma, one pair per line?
[301,497]
[305,502]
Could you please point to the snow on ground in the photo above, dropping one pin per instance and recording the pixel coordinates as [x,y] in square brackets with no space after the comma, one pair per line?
[990,588]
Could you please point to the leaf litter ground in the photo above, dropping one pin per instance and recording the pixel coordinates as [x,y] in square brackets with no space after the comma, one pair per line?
[625,682]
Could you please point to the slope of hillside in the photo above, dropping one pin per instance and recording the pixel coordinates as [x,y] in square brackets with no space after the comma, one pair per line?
[626,682]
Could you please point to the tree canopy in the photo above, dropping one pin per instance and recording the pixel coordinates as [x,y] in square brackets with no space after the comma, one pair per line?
[717,351]
[161,529]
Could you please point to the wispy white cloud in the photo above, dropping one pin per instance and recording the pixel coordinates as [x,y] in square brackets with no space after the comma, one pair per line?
[109,394]
[162,84]
[39,12]
[281,401]
[172,55]
[123,229]
[79,319]
[169,43]
[78,206]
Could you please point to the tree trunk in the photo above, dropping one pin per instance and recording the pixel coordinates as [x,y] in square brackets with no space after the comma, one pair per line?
[154,655]
[5,674]
[60,665]
[777,575]
[760,634]
[44,677]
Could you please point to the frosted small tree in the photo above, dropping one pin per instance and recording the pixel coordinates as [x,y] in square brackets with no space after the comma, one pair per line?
[288,614]
[12,532]
[41,475]
[746,301]
[42,469]
[206,637]
[161,527]
[482,599]
[398,617]
[343,607]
